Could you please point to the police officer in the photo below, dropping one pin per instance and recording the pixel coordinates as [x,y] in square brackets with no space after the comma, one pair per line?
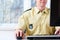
[35,21]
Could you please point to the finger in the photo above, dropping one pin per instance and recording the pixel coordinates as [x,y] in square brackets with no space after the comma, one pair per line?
[23,36]
[20,33]
[57,32]
[16,33]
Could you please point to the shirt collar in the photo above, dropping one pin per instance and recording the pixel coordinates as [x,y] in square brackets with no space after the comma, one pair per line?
[44,11]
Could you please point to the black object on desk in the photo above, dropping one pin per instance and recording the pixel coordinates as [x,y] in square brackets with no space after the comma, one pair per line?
[41,37]
[19,38]
[44,37]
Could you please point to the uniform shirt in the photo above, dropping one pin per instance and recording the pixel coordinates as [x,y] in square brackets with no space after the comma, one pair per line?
[36,22]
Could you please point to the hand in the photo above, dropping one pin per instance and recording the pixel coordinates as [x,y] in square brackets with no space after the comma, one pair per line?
[19,33]
[57,32]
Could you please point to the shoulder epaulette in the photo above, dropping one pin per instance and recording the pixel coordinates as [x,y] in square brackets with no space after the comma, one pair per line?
[28,9]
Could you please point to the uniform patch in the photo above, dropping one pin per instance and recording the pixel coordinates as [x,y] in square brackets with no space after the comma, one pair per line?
[30,26]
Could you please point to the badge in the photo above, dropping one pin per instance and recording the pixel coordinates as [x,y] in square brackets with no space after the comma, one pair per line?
[31,26]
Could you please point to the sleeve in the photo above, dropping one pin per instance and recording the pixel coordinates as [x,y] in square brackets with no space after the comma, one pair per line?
[21,23]
[50,28]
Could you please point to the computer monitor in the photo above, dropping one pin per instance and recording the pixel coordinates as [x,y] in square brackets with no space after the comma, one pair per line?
[55,13]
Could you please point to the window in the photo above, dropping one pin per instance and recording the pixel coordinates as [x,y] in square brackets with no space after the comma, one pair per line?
[10,10]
